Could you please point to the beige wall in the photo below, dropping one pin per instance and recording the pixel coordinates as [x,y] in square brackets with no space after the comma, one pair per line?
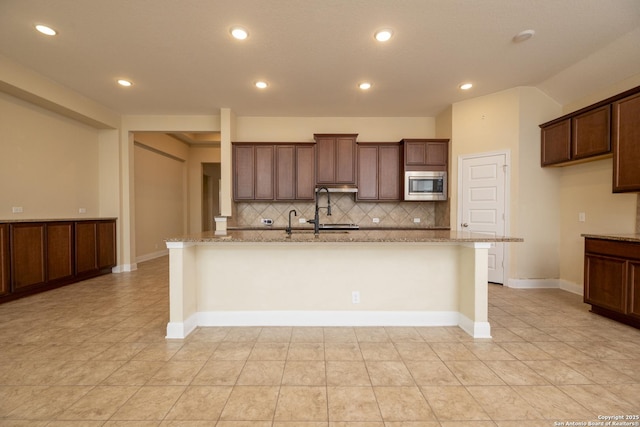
[301,129]
[508,121]
[160,181]
[48,163]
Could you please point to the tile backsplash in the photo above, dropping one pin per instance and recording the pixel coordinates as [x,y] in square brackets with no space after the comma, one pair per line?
[345,210]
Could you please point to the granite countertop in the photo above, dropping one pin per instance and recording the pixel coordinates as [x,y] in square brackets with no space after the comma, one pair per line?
[13,221]
[362,235]
[634,238]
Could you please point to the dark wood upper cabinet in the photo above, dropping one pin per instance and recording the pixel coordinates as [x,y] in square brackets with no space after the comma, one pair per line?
[426,154]
[243,172]
[335,159]
[379,172]
[305,172]
[626,144]
[59,251]
[286,172]
[4,259]
[591,133]
[28,252]
[265,172]
[556,143]
[577,137]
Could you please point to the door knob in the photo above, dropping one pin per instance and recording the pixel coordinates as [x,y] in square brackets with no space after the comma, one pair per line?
[465,225]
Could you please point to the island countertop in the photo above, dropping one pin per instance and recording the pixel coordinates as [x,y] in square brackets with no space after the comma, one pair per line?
[633,238]
[347,236]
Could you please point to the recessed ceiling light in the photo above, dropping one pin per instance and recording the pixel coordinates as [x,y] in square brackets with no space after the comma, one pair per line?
[239,33]
[365,85]
[46,30]
[125,83]
[262,85]
[466,86]
[523,36]
[383,35]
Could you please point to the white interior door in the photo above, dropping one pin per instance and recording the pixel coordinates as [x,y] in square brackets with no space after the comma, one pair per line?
[482,203]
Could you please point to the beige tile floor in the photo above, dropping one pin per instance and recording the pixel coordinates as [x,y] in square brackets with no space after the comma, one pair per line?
[94,354]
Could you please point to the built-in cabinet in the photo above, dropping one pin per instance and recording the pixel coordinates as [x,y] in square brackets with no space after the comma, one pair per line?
[40,255]
[4,259]
[273,172]
[626,137]
[607,128]
[379,172]
[612,279]
[426,154]
[582,136]
[336,159]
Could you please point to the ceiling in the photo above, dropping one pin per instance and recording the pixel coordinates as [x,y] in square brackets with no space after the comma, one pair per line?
[313,53]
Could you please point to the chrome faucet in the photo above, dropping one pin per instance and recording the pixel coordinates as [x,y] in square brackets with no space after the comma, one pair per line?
[288,229]
[316,218]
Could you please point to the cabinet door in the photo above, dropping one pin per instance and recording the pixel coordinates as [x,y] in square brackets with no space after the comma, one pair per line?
[106,245]
[326,160]
[285,172]
[591,133]
[59,251]
[626,148]
[634,289]
[243,172]
[437,153]
[415,153]
[305,172]
[605,282]
[367,172]
[28,266]
[265,173]
[345,160]
[86,247]
[389,173]
[556,143]
[4,259]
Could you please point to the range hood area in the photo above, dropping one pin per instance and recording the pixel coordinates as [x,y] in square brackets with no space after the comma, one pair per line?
[345,189]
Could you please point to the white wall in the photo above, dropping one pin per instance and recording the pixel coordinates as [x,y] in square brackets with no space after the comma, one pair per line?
[48,163]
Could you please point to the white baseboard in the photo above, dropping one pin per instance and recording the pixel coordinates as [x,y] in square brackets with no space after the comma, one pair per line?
[124,268]
[327,318]
[177,330]
[565,285]
[475,329]
[152,255]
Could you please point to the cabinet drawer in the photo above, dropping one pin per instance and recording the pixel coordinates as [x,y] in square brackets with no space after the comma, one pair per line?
[625,250]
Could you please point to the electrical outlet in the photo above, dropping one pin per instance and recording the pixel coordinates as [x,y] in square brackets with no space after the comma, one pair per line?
[82,210]
[16,209]
[355,297]
[582,217]
[416,220]
[376,220]
[302,220]
[267,221]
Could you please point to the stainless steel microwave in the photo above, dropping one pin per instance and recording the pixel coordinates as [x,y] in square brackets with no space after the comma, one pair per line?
[425,185]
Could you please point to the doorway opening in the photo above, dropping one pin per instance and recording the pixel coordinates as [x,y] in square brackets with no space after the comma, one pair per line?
[210,194]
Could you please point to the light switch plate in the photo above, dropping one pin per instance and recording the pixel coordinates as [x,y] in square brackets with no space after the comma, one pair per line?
[16,209]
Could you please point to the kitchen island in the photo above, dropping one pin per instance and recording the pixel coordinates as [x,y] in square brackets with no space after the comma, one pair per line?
[337,278]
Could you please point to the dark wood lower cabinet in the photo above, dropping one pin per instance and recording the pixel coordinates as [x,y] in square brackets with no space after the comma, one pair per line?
[612,279]
[59,251]
[4,259]
[28,263]
[37,256]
